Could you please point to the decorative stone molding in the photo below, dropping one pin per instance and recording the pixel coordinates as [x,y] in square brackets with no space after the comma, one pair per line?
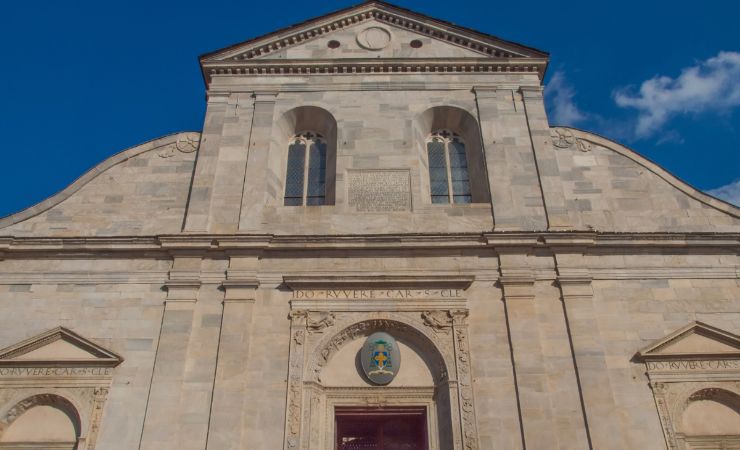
[76,380]
[240,290]
[99,356]
[293,410]
[439,321]
[379,66]
[185,143]
[247,58]
[316,336]
[374,38]
[518,286]
[318,321]
[465,380]
[163,243]
[179,291]
[378,282]
[696,362]
[564,138]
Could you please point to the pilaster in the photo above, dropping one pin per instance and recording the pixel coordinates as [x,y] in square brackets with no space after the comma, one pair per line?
[253,200]
[589,356]
[227,409]
[515,190]
[218,181]
[179,399]
[545,379]
[545,160]
[206,164]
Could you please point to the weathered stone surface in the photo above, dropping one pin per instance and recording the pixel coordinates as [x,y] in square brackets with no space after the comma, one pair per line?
[523,317]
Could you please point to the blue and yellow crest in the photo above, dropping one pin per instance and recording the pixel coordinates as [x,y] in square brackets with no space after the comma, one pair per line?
[381,361]
[380,358]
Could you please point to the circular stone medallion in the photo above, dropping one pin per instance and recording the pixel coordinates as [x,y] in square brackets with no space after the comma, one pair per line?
[381,359]
[374,38]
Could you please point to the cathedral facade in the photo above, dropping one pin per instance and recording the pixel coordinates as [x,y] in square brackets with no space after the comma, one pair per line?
[376,242]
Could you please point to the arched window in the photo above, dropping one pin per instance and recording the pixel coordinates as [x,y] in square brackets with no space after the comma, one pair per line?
[306,175]
[449,178]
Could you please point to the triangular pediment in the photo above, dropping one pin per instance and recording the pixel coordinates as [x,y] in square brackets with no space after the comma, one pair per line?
[694,340]
[58,346]
[375,31]
[373,38]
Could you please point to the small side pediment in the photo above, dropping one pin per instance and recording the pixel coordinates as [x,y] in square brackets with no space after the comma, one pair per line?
[694,341]
[56,347]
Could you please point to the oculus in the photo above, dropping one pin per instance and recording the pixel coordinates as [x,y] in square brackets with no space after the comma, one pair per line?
[374,38]
[380,357]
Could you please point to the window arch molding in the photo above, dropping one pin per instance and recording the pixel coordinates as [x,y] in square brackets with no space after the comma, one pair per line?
[312,132]
[458,130]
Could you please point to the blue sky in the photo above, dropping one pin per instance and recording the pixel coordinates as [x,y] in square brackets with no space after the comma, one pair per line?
[86,79]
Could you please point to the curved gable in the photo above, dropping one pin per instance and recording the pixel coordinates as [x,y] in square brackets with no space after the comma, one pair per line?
[609,187]
[140,191]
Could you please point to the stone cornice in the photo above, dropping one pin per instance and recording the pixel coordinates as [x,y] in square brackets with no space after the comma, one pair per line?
[378,282]
[203,243]
[370,66]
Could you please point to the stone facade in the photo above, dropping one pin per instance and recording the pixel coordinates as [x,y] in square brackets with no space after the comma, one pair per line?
[168,299]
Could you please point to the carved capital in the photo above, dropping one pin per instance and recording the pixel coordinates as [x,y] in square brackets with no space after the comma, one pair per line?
[518,286]
[240,290]
[182,290]
[576,286]
[298,317]
[459,316]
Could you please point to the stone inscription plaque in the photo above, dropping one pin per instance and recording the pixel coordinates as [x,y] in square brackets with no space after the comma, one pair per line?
[379,190]
[695,365]
[22,372]
[370,294]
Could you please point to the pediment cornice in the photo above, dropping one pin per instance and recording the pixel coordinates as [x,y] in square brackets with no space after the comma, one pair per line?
[246,58]
[17,355]
[665,348]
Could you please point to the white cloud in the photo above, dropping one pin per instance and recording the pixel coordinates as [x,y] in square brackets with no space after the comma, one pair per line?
[710,86]
[559,94]
[729,192]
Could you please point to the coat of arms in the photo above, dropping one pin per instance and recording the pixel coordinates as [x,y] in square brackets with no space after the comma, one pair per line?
[381,361]
[380,358]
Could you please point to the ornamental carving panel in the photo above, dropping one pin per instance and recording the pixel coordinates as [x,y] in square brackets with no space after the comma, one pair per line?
[317,336]
[186,143]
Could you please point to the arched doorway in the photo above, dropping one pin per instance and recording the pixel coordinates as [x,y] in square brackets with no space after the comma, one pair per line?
[332,405]
[44,421]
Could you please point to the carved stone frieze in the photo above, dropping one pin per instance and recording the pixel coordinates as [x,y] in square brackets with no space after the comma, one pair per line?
[440,321]
[465,380]
[564,138]
[295,380]
[318,321]
[186,143]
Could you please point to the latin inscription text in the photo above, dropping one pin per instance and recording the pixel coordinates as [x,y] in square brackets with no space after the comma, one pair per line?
[54,371]
[370,294]
[713,364]
[379,190]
